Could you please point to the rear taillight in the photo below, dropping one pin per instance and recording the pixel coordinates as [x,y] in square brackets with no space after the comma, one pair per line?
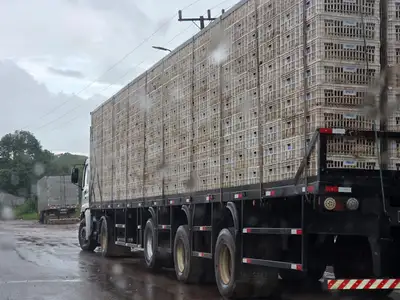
[330,203]
[352,204]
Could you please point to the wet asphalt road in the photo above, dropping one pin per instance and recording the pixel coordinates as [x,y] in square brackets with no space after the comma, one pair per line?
[45,262]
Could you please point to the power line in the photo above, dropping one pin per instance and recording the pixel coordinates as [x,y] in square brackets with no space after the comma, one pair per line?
[115,64]
[112,84]
[123,76]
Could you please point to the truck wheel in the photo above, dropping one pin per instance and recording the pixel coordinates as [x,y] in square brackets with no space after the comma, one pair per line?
[107,242]
[188,269]
[225,267]
[86,245]
[150,246]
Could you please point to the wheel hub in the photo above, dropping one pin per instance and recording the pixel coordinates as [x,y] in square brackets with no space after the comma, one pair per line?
[180,257]
[225,265]
[149,246]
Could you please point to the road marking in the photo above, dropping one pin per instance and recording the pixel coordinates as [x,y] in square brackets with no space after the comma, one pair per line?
[40,281]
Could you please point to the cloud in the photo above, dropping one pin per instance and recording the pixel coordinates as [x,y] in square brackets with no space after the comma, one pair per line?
[66,72]
[79,40]
[24,101]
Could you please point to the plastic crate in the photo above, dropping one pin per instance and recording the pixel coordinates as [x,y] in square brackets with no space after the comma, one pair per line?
[290,39]
[271,172]
[393,52]
[291,60]
[272,131]
[270,50]
[369,8]
[270,91]
[348,28]
[394,10]
[338,118]
[272,153]
[340,96]
[268,10]
[343,51]
[339,73]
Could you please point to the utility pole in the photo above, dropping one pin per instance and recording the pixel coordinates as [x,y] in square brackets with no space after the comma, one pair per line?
[201,19]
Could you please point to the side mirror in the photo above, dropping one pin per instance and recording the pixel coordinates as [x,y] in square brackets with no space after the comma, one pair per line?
[75,175]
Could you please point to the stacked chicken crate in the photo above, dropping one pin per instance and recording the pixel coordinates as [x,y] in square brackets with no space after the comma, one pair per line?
[177,95]
[342,57]
[393,34]
[138,105]
[120,126]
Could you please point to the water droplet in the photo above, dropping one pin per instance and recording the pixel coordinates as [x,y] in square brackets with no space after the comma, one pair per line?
[38,169]
[7,213]
[117,269]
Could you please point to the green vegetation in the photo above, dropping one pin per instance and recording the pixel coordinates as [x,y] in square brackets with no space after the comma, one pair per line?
[23,161]
[26,211]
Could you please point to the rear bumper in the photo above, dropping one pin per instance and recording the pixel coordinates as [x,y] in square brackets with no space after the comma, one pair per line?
[361,284]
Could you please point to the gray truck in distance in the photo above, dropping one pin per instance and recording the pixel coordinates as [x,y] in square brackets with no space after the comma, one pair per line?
[58,199]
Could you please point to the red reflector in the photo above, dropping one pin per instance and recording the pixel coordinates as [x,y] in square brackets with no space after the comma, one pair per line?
[299,232]
[332,189]
[299,267]
[310,189]
[326,130]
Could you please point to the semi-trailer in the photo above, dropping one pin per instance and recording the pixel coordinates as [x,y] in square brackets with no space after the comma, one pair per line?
[58,200]
[249,152]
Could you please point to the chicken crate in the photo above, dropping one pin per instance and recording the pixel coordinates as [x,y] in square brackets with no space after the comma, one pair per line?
[393,33]
[394,10]
[393,52]
[338,73]
[269,10]
[271,131]
[291,60]
[346,28]
[270,91]
[290,39]
[340,96]
[270,50]
[272,152]
[288,169]
[353,8]
[337,50]
[349,118]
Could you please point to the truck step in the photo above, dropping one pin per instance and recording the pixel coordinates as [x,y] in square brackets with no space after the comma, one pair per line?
[136,247]
[261,230]
[362,284]
[202,254]
[120,243]
[119,225]
[202,228]
[273,264]
[164,227]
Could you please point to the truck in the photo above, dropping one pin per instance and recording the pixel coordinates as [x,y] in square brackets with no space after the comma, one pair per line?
[264,147]
[58,200]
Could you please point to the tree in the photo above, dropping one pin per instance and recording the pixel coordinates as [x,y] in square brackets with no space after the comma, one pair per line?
[23,161]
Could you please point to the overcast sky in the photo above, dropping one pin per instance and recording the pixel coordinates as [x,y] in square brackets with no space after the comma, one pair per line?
[51,50]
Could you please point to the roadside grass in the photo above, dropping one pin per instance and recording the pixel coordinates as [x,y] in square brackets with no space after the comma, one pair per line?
[28,216]
[26,211]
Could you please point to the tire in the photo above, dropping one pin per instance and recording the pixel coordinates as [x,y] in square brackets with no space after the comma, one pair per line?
[225,267]
[86,245]
[107,242]
[188,269]
[150,246]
